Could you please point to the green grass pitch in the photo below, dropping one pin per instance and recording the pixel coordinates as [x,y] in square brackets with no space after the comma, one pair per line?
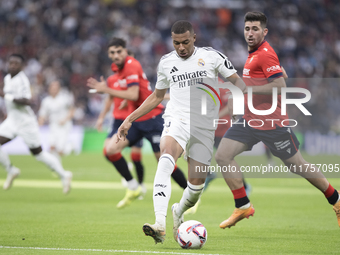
[291,217]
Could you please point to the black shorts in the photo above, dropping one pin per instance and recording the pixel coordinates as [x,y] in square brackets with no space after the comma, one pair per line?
[115,125]
[281,141]
[150,129]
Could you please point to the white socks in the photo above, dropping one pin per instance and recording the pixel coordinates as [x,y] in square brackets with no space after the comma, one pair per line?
[4,160]
[246,206]
[132,184]
[190,196]
[162,187]
[52,162]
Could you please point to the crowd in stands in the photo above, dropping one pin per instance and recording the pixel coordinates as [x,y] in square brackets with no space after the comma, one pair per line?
[67,40]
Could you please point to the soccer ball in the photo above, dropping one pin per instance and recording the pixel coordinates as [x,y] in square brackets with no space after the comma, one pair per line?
[191,235]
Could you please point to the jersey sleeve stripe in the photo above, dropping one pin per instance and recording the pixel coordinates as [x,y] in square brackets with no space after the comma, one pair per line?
[133,84]
[274,76]
[212,49]
[166,56]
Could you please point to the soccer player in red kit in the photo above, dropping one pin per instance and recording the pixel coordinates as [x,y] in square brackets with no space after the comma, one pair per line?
[130,82]
[262,72]
[121,109]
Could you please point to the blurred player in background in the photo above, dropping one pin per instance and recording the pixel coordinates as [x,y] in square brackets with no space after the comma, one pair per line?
[136,150]
[22,122]
[183,71]
[261,67]
[129,82]
[58,109]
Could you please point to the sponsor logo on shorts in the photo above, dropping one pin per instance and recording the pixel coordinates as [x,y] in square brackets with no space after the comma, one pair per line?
[156,139]
[282,144]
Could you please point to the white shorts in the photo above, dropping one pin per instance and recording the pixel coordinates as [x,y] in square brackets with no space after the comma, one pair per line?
[198,143]
[28,131]
[58,136]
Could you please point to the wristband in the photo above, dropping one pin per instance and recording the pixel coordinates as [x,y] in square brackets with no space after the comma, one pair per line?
[9,97]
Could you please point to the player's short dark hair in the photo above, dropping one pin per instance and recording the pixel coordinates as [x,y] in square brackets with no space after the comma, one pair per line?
[17,56]
[130,53]
[182,26]
[115,41]
[256,16]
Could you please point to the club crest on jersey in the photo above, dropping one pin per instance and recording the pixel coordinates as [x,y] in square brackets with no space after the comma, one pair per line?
[201,62]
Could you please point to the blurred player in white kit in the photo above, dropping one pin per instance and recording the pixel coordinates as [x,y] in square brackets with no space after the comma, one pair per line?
[21,121]
[58,110]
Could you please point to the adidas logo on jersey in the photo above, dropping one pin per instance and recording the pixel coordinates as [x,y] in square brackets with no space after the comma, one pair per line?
[160,194]
[174,69]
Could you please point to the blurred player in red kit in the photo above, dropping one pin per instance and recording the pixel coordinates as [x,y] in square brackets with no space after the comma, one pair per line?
[130,82]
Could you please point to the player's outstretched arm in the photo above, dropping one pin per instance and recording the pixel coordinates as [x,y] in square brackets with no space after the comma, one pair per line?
[150,103]
[284,73]
[41,120]
[224,111]
[132,93]
[104,111]
[21,101]
[237,81]
[69,116]
[267,89]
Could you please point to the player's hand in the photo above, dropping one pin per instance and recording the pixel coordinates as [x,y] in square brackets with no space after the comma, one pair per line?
[123,130]
[100,86]
[123,104]
[99,124]
[285,75]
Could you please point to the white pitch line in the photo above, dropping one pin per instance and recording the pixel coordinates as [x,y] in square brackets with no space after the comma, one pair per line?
[101,250]
[29,183]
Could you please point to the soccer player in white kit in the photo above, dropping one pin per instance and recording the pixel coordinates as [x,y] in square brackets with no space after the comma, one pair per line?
[21,121]
[185,71]
[58,109]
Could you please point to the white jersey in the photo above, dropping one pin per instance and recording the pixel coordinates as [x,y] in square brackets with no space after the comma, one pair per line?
[56,109]
[194,95]
[19,87]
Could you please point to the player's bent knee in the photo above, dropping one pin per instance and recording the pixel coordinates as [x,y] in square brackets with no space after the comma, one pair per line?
[114,157]
[4,140]
[136,156]
[36,151]
[221,159]
[110,150]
